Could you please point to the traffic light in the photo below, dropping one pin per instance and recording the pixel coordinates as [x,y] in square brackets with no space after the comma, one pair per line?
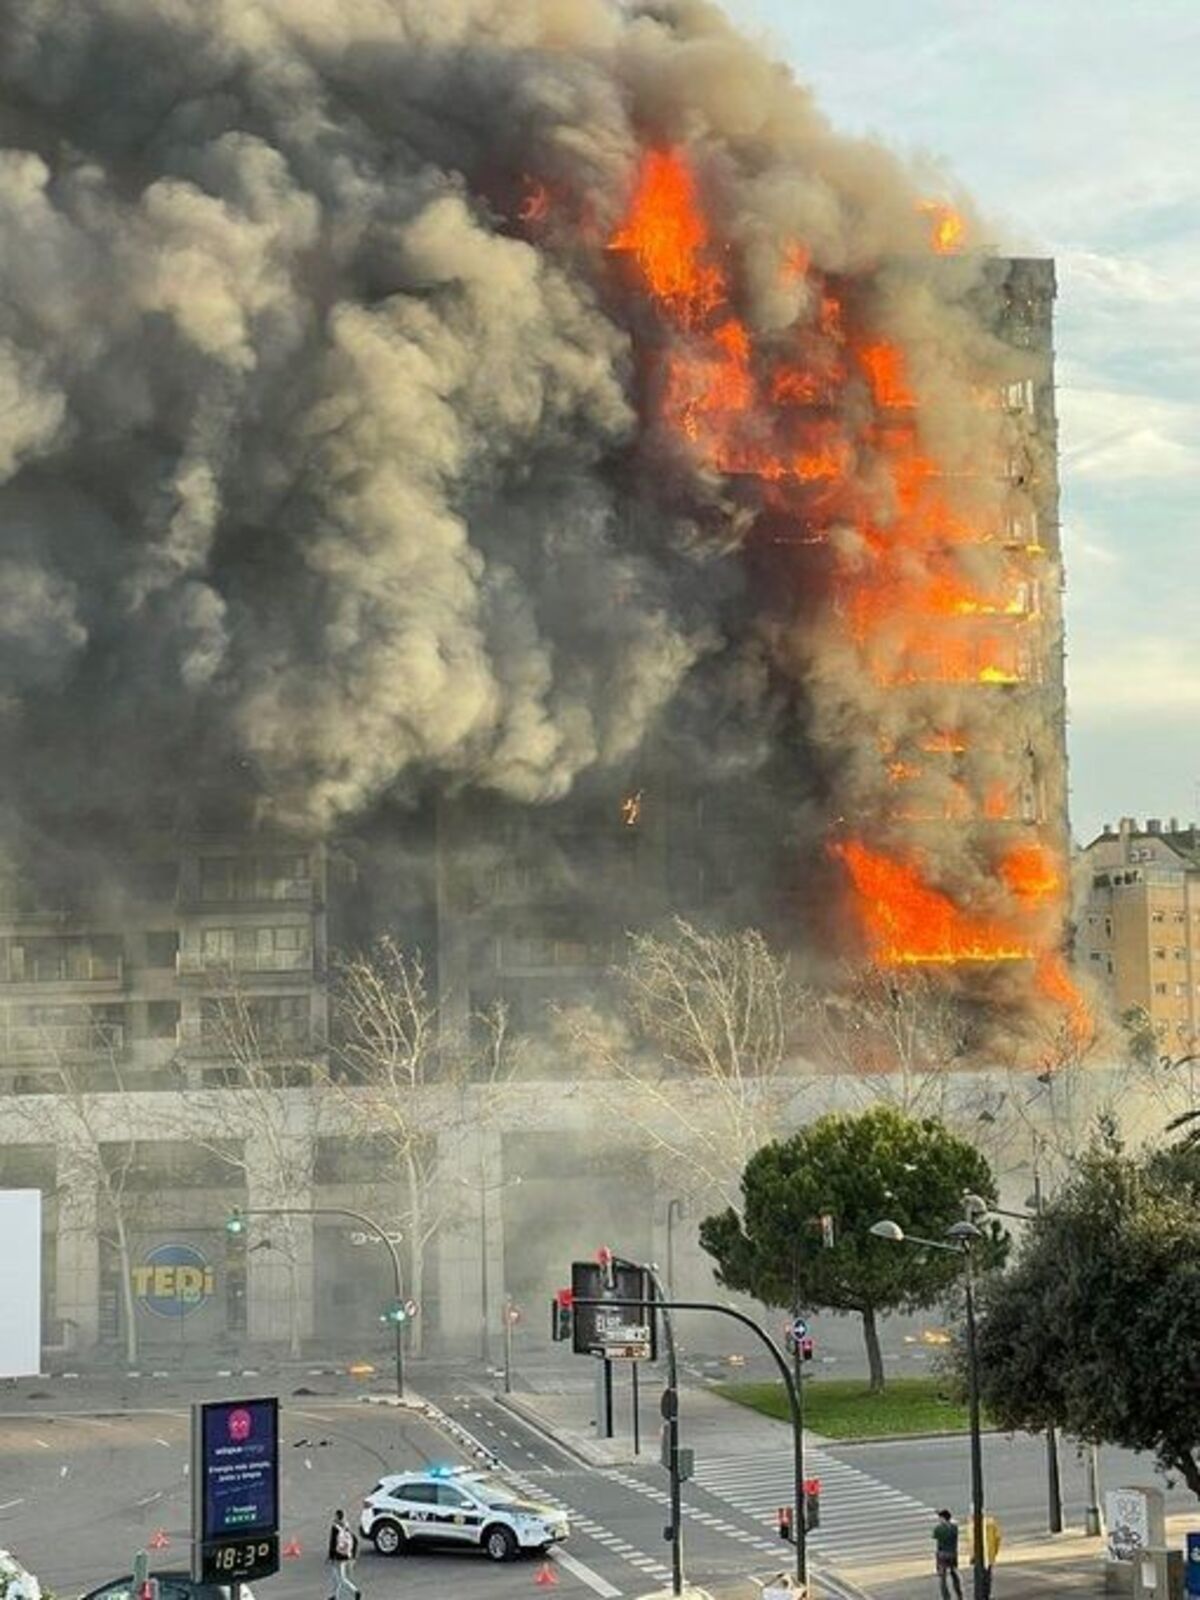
[235,1223]
[561,1316]
[784,1520]
[812,1503]
[396,1313]
[806,1348]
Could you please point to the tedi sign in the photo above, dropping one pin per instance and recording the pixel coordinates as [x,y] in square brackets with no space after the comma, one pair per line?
[173,1281]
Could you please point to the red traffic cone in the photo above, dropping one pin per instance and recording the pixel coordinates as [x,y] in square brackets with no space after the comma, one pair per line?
[292,1548]
[158,1540]
[546,1576]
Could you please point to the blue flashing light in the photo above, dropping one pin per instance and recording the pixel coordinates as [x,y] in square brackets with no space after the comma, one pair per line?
[442,1472]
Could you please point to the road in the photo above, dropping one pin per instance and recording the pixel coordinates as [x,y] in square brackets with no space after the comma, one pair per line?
[82,1487]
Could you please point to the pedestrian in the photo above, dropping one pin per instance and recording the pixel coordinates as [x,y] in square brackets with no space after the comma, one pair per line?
[343,1547]
[945,1544]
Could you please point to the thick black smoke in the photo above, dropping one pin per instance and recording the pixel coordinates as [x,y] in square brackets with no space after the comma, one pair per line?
[321,473]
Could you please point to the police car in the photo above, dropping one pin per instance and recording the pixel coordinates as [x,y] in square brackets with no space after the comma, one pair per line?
[457,1506]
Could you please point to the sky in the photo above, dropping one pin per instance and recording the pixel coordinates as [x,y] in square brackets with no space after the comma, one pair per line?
[1075,125]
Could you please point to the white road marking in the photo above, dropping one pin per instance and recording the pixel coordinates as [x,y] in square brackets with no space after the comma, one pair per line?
[584,1573]
[166,1443]
[41,1444]
[9,1504]
[149,1499]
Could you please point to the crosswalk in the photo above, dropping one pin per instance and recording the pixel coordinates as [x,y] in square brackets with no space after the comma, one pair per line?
[862,1519]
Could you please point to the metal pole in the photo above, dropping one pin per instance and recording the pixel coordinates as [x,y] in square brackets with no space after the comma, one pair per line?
[485,1349]
[785,1372]
[801,1509]
[608,1399]
[670,1410]
[1093,1523]
[977,1556]
[373,1227]
[508,1338]
[674,1208]
[1054,1510]
[637,1417]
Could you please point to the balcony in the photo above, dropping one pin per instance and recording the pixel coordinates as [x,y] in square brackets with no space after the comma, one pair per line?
[69,1041]
[193,963]
[197,1036]
[246,893]
[90,972]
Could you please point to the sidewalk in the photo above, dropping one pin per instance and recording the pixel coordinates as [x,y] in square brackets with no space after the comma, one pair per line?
[713,1426]
[1070,1563]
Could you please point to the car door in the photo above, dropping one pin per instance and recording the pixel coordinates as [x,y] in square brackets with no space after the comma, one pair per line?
[460,1519]
[417,1507]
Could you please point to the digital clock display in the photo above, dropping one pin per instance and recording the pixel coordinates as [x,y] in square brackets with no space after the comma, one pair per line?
[234,1560]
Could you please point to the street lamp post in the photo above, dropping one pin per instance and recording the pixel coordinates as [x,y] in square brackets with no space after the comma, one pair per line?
[962,1236]
[977,1208]
[484,1190]
[675,1209]
[235,1225]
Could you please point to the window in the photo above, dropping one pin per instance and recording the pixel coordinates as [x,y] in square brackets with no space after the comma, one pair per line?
[1180,953]
[1108,927]
[162,948]
[1160,952]
[448,1495]
[421,1494]
[162,1018]
[1158,916]
[1095,955]
[1160,988]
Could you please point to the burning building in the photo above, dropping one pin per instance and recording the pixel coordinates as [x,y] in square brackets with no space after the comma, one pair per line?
[529,438]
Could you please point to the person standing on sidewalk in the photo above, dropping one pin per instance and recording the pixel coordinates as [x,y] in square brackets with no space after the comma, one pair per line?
[945,1545]
[343,1547]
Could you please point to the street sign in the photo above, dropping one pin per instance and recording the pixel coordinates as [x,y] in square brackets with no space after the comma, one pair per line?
[511,1315]
[624,1333]
[798,1328]
[411,1308]
[235,1490]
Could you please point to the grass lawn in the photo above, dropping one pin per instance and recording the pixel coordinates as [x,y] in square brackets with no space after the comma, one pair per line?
[844,1408]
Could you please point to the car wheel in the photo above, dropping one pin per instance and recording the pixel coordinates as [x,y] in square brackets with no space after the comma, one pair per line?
[499,1543]
[388,1538]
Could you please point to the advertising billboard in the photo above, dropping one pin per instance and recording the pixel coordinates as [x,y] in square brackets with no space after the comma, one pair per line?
[21,1281]
[235,1489]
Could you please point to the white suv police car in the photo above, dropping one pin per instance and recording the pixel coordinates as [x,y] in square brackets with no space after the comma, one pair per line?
[457,1506]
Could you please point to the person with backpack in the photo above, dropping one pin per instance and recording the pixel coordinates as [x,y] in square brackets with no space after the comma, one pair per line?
[343,1547]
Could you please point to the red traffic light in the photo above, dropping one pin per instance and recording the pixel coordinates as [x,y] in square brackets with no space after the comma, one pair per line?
[565,1298]
[812,1486]
[604,1256]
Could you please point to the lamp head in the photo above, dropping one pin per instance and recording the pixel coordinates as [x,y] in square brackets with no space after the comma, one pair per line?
[886,1229]
[974,1206]
[963,1234]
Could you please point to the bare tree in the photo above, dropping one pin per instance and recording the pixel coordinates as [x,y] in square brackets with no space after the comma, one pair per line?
[697,1060]
[254,1128]
[899,1030]
[70,1116]
[401,1078]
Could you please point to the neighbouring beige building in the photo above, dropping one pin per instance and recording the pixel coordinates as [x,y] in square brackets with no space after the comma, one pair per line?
[1139,923]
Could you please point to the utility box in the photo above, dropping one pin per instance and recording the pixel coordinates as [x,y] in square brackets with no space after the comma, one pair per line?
[1158,1574]
[1136,1522]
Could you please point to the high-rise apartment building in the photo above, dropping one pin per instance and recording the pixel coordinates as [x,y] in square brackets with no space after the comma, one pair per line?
[1138,923]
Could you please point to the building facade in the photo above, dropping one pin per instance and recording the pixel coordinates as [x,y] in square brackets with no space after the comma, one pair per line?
[1138,924]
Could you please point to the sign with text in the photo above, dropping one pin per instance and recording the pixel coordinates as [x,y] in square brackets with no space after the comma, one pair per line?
[624,1333]
[235,1488]
[173,1281]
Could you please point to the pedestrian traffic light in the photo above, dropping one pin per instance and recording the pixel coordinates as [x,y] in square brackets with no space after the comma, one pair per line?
[561,1316]
[396,1313]
[812,1503]
[235,1223]
[806,1348]
[784,1519]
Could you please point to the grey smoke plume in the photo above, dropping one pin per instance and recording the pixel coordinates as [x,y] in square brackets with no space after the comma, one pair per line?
[328,451]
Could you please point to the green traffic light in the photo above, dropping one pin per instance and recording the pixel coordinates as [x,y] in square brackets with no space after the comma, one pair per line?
[236,1223]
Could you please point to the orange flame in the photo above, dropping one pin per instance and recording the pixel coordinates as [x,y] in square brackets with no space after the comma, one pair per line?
[1031,873]
[908,923]
[947,229]
[1054,981]
[667,234]
[535,203]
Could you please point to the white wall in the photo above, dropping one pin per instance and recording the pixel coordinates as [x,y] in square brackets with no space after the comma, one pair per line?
[20,1282]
